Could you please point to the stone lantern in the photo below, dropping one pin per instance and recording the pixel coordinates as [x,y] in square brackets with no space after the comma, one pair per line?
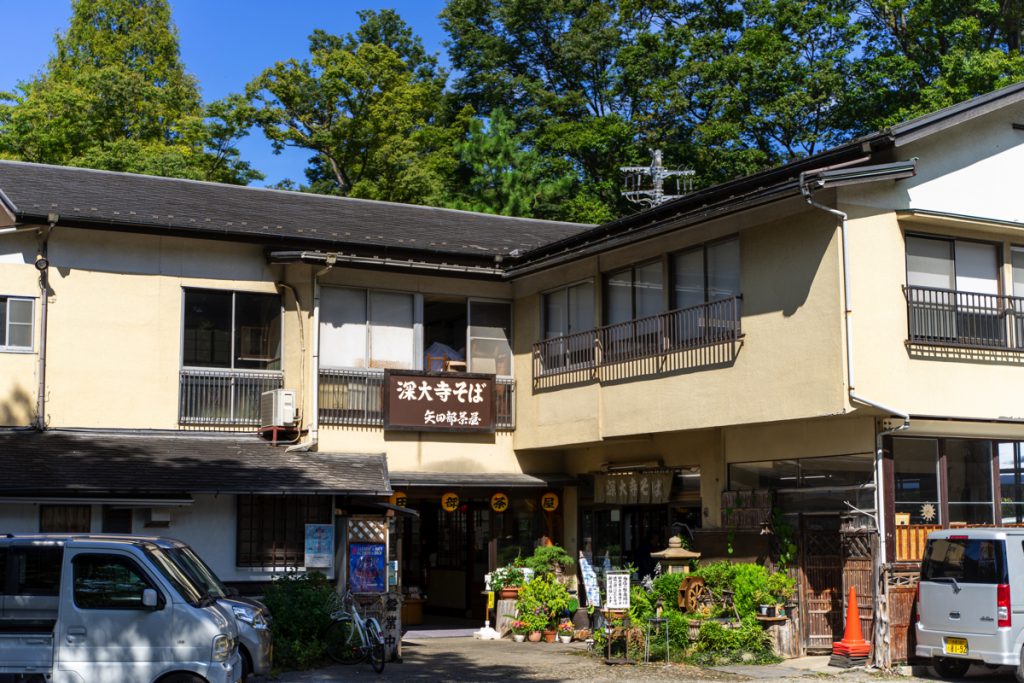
[675,558]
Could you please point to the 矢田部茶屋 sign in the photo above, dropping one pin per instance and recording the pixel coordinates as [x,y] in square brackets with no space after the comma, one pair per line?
[429,402]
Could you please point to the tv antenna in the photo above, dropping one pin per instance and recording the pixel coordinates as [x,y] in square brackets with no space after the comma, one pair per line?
[645,185]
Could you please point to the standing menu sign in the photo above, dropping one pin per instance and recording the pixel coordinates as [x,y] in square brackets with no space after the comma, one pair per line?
[451,402]
[617,590]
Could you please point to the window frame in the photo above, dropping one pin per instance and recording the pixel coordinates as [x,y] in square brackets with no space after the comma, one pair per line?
[703,247]
[632,269]
[85,509]
[470,300]
[292,540]
[565,288]
[5,347]
[417,327]
[126,560]
[234,330]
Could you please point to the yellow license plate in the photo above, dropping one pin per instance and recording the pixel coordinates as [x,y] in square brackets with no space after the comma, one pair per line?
[956,646]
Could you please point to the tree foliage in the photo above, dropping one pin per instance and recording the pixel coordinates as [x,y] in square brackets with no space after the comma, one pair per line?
[116,96]
[370,106]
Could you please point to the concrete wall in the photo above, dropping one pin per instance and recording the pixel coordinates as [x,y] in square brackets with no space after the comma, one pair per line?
[790,365]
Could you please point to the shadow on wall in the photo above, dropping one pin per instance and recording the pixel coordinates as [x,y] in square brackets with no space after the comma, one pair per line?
[18,409]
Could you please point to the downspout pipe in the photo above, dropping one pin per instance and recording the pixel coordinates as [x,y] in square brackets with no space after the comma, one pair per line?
[43,266]
[314,399]
[881,649]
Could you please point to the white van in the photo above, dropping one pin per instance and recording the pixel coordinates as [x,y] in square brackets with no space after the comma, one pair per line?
[970,600]
[80,609]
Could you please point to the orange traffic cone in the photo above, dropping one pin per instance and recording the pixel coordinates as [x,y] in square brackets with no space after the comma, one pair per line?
[853,644]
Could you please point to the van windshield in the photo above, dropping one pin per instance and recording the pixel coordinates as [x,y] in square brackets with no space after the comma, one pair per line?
[193,593]
[199,571]
[967,560]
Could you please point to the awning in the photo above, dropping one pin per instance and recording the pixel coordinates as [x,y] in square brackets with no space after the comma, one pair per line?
[140,464]
[480,479]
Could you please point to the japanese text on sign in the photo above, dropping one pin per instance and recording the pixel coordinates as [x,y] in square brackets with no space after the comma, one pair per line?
[616,590]
[549,502]
[428,402]
[450,502]
[499,502]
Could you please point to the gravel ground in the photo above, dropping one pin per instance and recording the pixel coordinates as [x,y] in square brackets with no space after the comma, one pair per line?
[465,660]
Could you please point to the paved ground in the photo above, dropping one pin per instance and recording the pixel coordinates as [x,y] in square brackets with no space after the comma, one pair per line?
[464,660]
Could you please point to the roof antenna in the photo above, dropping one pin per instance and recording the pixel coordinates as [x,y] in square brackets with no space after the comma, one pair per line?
[645,185]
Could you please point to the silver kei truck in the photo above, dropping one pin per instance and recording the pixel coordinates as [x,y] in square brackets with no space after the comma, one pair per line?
[81,609]
[970,601]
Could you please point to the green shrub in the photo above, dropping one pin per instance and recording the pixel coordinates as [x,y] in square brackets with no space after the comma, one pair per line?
[542,601]
[301,606]
[666,587]
[719,645]
[546,557]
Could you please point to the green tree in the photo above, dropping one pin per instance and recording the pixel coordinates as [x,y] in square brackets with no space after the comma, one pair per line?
[497,174]
[922,55]
[115,95]
[370,106]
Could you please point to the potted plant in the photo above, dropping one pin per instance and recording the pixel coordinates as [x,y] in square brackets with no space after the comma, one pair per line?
[549,559]
[506,581]
[519,630]
[541,601]
[765,602]
[783,588]
[565,629]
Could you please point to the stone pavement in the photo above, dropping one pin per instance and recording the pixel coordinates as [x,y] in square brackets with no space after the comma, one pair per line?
[465,660]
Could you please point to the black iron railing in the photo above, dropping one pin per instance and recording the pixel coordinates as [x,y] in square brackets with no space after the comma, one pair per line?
[684,329]
[228,398]
[948,317]
[355,397]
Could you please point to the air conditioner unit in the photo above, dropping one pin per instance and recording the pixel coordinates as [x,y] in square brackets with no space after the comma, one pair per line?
[277,408]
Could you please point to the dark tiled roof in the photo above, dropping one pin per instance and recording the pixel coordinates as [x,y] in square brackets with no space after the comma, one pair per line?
[488,479]
[111,462]
[272,216]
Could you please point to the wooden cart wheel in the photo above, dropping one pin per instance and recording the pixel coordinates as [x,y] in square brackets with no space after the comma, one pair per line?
[695,595]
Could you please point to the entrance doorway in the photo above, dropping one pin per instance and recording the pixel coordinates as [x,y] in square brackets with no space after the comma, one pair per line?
[445,555]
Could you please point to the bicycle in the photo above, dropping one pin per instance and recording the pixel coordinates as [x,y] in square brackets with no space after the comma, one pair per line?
[352,638]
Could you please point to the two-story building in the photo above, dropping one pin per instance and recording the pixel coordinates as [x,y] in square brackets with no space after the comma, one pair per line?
[820,357]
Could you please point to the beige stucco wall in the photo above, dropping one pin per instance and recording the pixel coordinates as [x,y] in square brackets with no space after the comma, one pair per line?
[790,364]
[18,378]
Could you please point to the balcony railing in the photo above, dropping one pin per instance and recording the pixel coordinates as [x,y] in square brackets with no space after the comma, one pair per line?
[946,317]
[355,397]
[684,329]
[228,398]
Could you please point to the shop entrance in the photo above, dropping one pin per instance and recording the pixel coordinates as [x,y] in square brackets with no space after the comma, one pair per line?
[445,554]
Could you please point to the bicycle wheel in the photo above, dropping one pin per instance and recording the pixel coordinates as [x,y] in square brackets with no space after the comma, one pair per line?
[375,640]
[343,642]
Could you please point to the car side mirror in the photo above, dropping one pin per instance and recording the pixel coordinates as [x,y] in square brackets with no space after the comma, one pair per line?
[150,599]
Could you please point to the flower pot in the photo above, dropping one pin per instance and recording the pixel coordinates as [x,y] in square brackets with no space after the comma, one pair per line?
[519,637]
[549,636]
[508,593]
[534,636]
[763,610]
[565,639]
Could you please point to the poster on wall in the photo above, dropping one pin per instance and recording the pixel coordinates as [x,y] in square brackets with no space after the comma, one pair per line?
[367,567]
[319,548]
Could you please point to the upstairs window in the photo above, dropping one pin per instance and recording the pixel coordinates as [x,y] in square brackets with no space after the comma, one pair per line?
[569,310]
[15,323]
[369,329]
[232,330]
[634,292]
[953,292]
[706,273]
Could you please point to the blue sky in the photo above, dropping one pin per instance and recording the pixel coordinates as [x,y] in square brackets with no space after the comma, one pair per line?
[224,43]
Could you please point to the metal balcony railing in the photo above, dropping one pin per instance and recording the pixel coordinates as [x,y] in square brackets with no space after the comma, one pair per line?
[684,329]
[946,317]
[355,397]
[228,398]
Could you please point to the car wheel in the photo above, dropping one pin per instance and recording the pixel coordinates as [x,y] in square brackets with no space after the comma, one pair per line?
[951,668]
[246,663]
[1019,670]
[181,678]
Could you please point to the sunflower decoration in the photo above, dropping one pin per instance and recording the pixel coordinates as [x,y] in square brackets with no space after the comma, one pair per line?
[928,512]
